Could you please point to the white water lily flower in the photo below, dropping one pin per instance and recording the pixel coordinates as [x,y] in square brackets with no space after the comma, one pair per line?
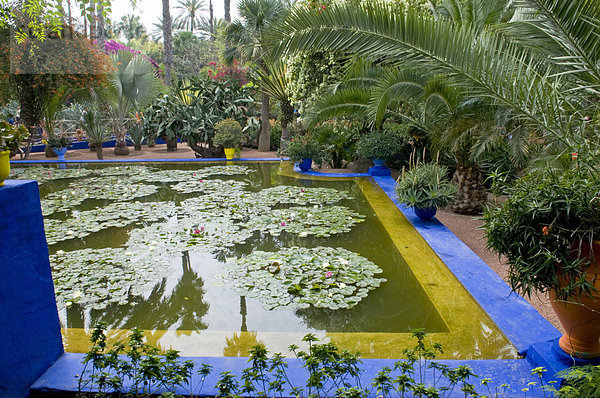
[316,206]
[69,232]
[343,261]
[151,248]
[325,264]
[77,294]
[60,252]
[342,285]
[64,196]
[303,234]
[128,253]
[154,243]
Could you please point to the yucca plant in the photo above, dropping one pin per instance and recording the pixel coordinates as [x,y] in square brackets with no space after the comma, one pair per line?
[425,185]
[96,130]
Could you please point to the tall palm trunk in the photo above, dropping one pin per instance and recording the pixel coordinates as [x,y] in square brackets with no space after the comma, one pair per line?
[472,194]
[287,116]
[211,20]
[168,41]
[228,10]
[264,140]
[101,26]
[92,10]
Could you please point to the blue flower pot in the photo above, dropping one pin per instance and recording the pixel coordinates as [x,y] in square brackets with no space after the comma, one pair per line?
[426,213]
[60,153]
[379,162]
[305,164]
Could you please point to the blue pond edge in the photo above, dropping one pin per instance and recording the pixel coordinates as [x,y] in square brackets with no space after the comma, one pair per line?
[534,337]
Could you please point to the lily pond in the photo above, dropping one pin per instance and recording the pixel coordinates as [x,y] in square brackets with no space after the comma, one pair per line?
[211,259]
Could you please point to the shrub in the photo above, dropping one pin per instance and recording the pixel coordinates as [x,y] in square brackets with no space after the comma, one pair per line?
[228,134]
[384,145]
[305,146]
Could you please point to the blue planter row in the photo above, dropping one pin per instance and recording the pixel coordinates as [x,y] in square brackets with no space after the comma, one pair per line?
[85,145]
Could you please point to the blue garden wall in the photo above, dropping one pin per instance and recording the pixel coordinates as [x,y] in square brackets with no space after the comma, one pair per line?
[30,331]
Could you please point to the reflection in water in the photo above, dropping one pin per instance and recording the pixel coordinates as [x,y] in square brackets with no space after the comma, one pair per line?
[243,313]
[181,307]
[240,343]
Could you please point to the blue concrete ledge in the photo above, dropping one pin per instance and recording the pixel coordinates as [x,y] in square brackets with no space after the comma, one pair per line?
[18,162]
[335,175]
[61,377]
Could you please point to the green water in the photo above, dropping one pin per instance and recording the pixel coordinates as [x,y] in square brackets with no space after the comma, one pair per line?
[190,299]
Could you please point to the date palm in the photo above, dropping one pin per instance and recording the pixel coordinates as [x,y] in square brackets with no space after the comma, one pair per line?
[246,40]
[190,17]
[548,78]
[167,39]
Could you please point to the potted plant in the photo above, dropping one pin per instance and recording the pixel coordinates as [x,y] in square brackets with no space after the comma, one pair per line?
[10,139]
[548,230]
[228,134]
[59,143]
[425,187]
[380,146]
[96,130]
[304,150]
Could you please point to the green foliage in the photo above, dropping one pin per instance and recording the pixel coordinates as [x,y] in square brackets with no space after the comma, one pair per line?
[131,368]
[12,136]
[541,227]
[191,54]
[385,144]
[58,141]
[96,130]
[338,140]
[228,134]
[305,146]
[424,186]
[195,109]
[580,382]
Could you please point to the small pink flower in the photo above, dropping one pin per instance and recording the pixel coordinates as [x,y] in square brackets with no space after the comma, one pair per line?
[200,181]
[302,190]
[196,231]
[283,224]
[328,274]
[201,228]
[587,118]
[194,175]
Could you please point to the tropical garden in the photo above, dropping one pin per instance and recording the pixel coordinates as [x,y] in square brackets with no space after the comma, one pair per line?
[464,99]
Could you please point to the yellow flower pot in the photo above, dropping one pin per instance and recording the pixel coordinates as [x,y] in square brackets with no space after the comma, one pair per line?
[229,153]
[4,166]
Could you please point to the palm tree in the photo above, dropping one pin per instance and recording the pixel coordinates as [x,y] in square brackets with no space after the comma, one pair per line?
[548,78]
[130,27]
[275,82]
[167,40]
[246,39]
[133,83]
[189,17]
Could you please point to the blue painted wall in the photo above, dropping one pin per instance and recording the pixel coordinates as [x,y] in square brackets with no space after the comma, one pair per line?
[30,329]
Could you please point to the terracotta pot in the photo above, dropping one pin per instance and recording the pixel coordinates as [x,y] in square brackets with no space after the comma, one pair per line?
[580,316]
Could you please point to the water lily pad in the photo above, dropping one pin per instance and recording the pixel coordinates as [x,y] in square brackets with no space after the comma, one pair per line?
[253,276]
[95,278]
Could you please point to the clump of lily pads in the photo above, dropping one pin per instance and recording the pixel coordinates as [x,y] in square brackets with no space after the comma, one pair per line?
[298,277]
[301,196]
[237,205]
[121,188]
[222,187]
[304,221]
[95,278]
[84,223]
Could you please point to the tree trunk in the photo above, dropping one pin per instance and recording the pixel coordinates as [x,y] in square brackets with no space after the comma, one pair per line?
[99,151]
[287,115]
[228,10]
[264,140]
[121,148]
[472,194]
[101,28]
[211,20]
[171,144]
[168,41]
[93,19]
[206,152]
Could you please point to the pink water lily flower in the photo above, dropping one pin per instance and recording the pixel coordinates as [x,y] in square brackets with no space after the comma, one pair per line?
[283,224]
[328,274]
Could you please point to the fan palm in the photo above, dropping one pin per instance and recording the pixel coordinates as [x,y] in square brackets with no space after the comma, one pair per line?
[133,83]
[246,40]
[190,17]
[550,83]
[130,27]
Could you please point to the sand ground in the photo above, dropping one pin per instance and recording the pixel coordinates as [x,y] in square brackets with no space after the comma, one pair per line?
[467,228]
